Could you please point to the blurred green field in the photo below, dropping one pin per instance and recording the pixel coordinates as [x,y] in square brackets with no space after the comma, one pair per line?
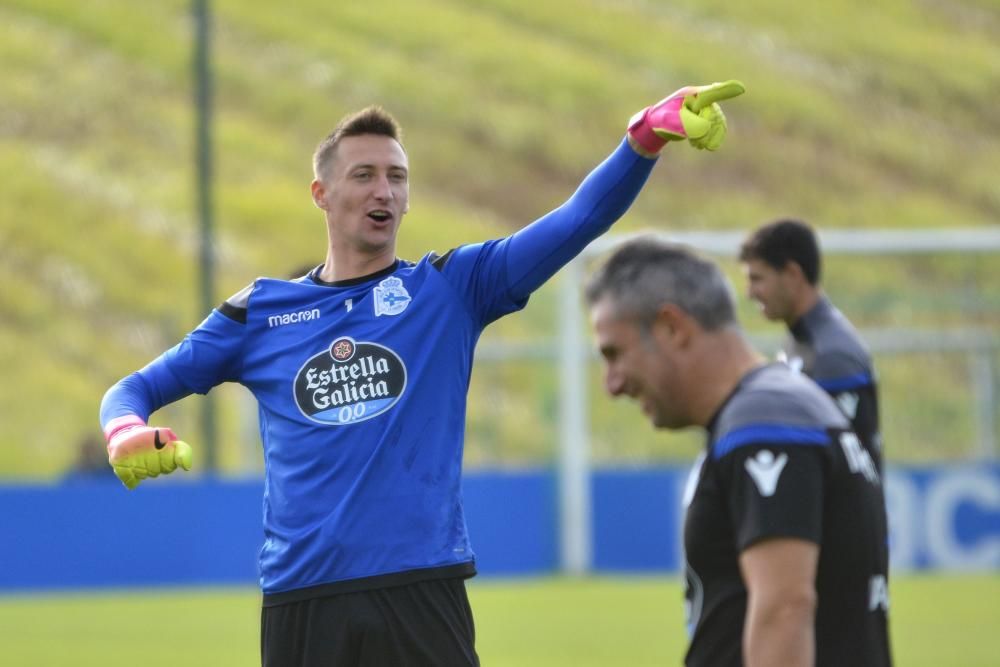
[550,622]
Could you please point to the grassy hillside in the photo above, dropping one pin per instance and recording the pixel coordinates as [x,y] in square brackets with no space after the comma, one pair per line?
[858,114]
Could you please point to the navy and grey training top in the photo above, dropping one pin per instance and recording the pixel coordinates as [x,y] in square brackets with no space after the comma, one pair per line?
[782,462]
[826,347]
[361,387]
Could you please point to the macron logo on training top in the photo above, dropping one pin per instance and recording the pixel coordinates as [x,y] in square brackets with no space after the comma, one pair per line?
[293,318]
[765,470]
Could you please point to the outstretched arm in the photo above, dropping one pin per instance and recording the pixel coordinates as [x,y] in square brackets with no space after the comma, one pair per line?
[137,451]
[206,357]
[539,250]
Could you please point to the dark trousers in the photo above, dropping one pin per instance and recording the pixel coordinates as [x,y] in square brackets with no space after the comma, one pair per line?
[424,624]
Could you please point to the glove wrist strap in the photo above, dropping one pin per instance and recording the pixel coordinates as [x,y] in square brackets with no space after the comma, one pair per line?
[118,424]
[641,136]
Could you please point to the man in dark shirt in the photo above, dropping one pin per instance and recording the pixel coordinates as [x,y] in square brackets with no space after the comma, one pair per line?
[785,528]
[782,264]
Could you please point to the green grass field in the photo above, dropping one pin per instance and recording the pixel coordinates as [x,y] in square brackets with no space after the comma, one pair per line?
[936,621]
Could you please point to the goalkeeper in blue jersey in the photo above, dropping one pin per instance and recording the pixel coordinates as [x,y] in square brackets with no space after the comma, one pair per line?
[361,369]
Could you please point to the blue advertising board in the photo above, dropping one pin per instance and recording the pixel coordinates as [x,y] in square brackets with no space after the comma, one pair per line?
[180,531]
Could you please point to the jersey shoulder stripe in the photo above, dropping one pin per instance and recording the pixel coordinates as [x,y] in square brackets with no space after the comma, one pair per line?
[772,434]
[772,404]
[856,381]
[235,307]
[438,261]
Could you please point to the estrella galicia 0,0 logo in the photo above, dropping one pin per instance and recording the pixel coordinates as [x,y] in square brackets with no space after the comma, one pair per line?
[349,382]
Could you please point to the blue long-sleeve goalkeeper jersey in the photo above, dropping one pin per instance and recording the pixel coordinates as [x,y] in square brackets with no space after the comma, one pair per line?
[361,387]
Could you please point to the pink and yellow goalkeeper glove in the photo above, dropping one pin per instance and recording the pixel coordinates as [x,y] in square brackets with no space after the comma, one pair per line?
[691,113]
[137,451]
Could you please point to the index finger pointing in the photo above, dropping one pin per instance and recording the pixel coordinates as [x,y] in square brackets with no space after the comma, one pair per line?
[716,92]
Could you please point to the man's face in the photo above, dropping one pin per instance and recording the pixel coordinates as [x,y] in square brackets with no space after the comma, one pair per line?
[639,364]
[770,288]
[365,191]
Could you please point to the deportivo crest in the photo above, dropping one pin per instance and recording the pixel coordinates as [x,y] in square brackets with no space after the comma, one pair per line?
[349,382]
[391,298]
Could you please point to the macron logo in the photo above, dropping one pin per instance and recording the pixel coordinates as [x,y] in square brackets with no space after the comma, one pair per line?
[765,470]
[292,318]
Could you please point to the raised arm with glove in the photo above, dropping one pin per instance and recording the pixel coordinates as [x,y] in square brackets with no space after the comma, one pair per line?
[691,113]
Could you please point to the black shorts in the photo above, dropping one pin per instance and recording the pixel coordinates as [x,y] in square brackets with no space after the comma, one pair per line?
[423,624]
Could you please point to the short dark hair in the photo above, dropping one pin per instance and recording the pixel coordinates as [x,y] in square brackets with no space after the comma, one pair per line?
[783,241]
[644,274]
[370,120]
